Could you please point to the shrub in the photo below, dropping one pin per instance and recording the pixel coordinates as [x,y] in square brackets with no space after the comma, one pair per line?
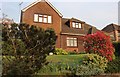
[99,43]
[113,66]
[72,52]
[117,48]
[94,65]
[76,52]
[59,51]
[55,69]
[28,46]
[88,70]
[95,61]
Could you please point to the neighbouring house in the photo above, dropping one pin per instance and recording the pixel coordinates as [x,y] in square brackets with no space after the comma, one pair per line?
[69,31]
[113,31]
[6,21]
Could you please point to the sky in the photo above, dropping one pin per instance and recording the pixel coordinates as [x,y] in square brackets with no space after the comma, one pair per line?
[98,13]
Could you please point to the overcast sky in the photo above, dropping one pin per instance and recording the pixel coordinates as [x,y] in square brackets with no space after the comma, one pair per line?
[98,13]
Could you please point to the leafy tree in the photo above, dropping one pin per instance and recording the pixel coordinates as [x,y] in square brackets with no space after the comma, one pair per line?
[99,43]
[25,48]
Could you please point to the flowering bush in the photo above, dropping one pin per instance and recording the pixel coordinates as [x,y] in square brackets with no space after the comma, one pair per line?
[99,43]
[95,61]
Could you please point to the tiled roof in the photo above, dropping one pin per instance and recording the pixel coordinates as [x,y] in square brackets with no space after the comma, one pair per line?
[111,27]
[76,20]
[66,29]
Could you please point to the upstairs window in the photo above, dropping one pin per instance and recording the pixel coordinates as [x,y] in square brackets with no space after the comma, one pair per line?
[71,41]
[42,18]
[76,25]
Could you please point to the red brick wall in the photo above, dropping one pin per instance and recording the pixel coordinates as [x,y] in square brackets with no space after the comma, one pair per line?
[79,48]
[43,8]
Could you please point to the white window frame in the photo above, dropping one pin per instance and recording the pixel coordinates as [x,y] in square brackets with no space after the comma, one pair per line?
[49,19]
[72,42]
[36,17]
[42,18]
[73,24]
[76,25]
[80,25]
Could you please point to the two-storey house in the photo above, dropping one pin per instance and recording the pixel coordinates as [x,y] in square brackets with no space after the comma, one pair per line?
[69,31]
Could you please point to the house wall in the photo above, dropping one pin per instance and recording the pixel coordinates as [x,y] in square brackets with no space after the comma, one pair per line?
[112,35]
[43,8]
[79,48]
[116,35]
[119,35]
[110,29]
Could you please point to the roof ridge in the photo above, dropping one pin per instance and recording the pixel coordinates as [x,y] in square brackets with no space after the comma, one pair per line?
[32,4]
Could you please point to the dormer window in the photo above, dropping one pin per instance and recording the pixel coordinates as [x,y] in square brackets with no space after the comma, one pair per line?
[42,18]
[76,25]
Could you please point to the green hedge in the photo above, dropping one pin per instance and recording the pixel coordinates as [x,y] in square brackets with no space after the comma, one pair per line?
[117,48]
[113,66]
[60,51]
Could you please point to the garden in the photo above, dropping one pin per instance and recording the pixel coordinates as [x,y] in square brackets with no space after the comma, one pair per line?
[29,50]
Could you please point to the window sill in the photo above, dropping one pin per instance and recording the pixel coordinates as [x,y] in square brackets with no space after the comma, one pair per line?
[72,46]
[42,22]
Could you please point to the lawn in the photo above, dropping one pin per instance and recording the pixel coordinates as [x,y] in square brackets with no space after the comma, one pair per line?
[65,58]
[60,62]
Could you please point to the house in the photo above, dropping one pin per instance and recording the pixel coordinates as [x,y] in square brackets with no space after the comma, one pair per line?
[68,30]
[113,31]
[7,21]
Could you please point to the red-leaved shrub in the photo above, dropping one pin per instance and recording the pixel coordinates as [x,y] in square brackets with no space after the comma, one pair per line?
[99,43]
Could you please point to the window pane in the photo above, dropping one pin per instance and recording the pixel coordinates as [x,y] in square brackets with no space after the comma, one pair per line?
[73,24]
[75,38]
[68,43]
[77,25]
[49,19]
[36,17]
[75,42]
[45,20]
[40,19]
[71,43]
[80,26]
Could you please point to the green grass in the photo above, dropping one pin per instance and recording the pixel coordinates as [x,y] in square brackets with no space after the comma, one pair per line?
[54,60]
[65,58]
